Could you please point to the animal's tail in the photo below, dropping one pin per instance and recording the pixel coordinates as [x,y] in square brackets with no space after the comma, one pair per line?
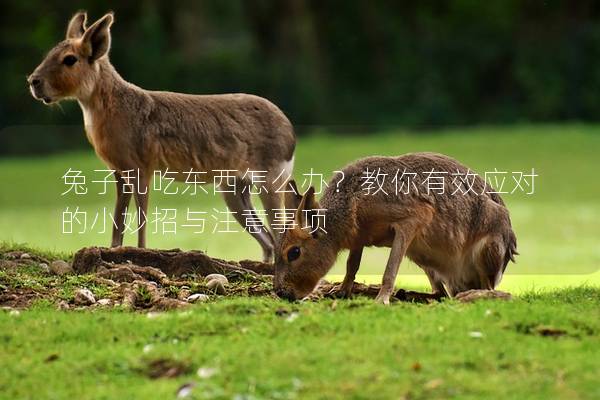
[509,237]
[511,247]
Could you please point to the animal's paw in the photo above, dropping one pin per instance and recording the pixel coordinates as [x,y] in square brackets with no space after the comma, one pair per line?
[340,292]
[383,298]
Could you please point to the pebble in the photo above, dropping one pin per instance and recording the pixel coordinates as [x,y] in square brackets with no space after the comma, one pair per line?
[207,372]
[25,256]
[60,267]
[63,305]
[218,277]
[103,302]
[45,268]
[84,297]
[197,298]
[216,286]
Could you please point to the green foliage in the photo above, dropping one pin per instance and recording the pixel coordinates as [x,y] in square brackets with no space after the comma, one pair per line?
[354,63]
[144,295]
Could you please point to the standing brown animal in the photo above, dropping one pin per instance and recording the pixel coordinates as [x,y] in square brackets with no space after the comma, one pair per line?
[462,241]
[135,129]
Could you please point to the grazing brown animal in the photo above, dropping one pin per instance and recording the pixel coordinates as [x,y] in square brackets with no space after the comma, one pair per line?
[462,241]
[135,129]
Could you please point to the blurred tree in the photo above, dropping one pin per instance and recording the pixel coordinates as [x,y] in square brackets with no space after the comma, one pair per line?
[355,63]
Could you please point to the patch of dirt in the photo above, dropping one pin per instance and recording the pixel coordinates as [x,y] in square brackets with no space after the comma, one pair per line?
[541,330]
[19,297]
[549,331]
[171,262]
[158,280]
[165,368]
[132,278]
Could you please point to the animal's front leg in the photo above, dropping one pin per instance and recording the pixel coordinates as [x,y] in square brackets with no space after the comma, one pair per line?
[141,201]
[352,265]
[121,205]
[402,236]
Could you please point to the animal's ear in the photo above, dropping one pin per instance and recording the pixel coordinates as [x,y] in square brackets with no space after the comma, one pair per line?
[311,202]
[292,196]
[305,210]
[96,38]
[76,26]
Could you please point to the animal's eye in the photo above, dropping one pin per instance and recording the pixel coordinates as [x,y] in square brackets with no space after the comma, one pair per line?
[293,253]
[69,60]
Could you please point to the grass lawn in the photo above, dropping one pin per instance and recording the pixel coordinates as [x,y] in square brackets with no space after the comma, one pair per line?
[544,344]
[539,346]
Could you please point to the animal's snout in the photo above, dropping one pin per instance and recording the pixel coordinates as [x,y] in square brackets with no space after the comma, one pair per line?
[34,81]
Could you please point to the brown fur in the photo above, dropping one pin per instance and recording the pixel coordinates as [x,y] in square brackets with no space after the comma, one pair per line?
[462,241]
[133,128]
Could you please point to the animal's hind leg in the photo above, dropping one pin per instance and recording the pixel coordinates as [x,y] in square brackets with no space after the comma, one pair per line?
[272,194]
[272,201]
[485,269]
[239,202]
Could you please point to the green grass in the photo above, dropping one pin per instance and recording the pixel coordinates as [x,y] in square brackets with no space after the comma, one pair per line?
[557,226]
[343,350]
[543,344]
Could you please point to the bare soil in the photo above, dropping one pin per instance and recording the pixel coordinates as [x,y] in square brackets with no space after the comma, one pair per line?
[154,280]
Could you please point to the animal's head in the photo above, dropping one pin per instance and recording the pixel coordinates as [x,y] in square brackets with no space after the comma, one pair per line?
[304,253]
[71,68]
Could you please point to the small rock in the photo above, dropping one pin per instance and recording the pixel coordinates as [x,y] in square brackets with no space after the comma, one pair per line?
[206,372]
[184,287]
[103,302]
[153,283]
[84,297]
[61,267]
[183,294]
[45,268]
[25,256]
[63,305]
[216,286]
[219,277]
[197,298]
[476,334]
[185,390]
[292,317]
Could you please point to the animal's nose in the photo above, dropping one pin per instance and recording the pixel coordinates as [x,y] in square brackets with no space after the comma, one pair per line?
[34,81]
